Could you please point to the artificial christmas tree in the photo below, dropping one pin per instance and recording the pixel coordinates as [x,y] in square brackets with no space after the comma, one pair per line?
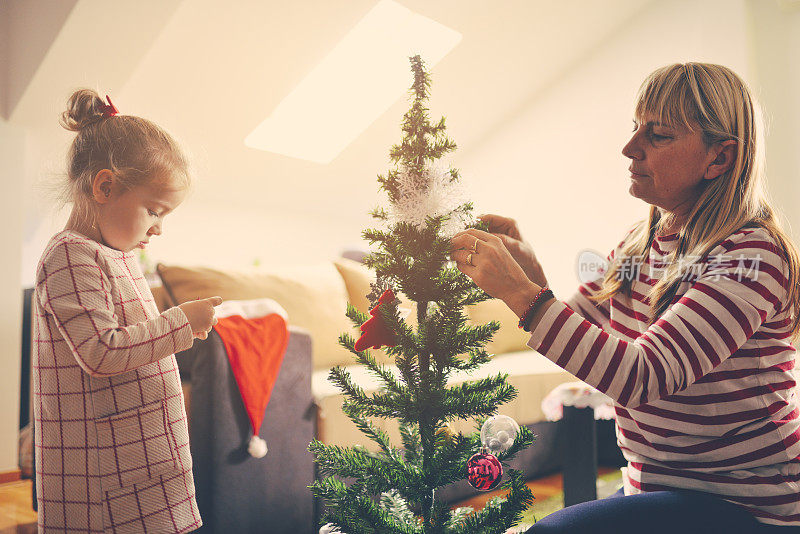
[394,489]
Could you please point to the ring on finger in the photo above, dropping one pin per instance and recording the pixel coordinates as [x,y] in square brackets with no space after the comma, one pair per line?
[474,249]
[469,260]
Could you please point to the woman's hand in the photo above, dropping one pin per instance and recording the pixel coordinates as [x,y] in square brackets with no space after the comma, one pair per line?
[484,258]
[507,230]
[200,314]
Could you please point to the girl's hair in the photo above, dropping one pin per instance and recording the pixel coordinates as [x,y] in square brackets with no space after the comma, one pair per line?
[713,99]
[136,150]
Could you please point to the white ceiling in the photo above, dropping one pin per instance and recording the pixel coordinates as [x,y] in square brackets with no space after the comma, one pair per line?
[210,71]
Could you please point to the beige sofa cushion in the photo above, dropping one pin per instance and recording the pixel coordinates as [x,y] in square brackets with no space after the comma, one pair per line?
[314,298]
[532,374]
[357,279]
[510,338]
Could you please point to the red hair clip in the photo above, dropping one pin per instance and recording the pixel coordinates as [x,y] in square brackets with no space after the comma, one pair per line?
[110,110]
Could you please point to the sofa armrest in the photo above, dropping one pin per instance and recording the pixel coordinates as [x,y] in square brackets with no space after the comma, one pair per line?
[236,492]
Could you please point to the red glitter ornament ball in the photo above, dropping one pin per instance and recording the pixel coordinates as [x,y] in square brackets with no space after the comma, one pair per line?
[484,471]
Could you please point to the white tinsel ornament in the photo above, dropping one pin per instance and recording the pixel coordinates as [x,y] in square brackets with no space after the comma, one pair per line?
[433,194]
[329,528]
[257,447]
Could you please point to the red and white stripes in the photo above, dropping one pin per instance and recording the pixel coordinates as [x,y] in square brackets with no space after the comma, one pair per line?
[705,395]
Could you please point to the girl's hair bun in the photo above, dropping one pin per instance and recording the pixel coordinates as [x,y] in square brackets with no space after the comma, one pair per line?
[84,108]
[135,150]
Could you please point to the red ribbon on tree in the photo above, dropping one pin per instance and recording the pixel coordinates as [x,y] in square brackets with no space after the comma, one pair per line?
[375,334]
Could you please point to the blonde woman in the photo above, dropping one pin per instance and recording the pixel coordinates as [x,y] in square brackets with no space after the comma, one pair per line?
[690,329]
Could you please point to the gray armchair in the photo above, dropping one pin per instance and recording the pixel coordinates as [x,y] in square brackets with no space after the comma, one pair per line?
[236,492]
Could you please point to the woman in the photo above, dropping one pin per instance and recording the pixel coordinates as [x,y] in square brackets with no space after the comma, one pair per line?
[689,330]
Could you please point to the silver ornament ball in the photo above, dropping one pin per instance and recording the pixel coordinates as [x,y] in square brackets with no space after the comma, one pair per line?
[498,433]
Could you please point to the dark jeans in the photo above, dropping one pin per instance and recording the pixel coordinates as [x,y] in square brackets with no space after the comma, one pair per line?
[656,512]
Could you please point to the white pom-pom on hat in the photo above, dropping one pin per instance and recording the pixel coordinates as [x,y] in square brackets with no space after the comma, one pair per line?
[257,447]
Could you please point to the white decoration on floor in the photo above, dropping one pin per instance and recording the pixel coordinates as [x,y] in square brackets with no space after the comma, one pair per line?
[580,395]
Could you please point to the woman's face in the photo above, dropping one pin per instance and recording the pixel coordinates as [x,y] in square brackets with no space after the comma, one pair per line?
[668,164]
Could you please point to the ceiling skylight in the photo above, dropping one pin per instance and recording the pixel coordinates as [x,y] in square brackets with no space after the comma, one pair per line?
[364,74]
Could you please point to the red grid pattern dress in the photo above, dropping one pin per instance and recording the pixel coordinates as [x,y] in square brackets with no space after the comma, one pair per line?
[705,396]
[112,444]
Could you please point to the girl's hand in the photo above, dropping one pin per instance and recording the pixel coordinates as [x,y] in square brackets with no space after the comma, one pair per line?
[200,314]
[507,230]
[484,258]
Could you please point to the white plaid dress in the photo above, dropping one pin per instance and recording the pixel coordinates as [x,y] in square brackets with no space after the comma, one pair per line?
[112,445]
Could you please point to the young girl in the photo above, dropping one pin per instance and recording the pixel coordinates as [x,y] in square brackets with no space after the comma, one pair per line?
[112,445]
[689,331]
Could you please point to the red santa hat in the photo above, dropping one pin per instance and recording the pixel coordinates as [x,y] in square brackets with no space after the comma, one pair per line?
[255,335]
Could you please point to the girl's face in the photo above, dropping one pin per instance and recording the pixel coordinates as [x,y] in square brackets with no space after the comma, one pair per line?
[130,217]
[668,165]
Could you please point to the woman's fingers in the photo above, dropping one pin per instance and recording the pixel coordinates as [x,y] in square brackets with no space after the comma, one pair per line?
[464,257]
[470,245]
[491,266]
[506,240]
[501,225]
[462,241]
[474,255]
[469,239]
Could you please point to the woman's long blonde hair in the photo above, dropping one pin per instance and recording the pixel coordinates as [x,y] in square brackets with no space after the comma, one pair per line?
[715,100]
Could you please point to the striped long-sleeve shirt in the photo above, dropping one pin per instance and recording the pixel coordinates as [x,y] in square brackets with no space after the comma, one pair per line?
[705,396]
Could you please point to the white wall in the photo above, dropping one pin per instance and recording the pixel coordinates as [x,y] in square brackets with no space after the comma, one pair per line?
[36,23]
[557,168]
[11,181]
[12,145]
[776,62]
[539,167]
[555,164]
[203,233]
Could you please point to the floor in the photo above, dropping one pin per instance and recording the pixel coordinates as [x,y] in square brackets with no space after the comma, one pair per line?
[542,488]
[17,515]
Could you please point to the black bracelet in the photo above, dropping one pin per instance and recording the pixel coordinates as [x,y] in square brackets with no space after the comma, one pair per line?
[543,295]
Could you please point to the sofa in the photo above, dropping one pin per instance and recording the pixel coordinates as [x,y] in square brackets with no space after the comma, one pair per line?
[315,298]
[239,493]
[235,491]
